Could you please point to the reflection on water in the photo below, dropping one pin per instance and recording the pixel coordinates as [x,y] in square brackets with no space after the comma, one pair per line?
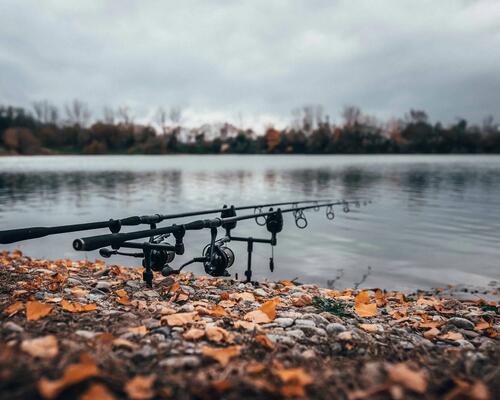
[435,219]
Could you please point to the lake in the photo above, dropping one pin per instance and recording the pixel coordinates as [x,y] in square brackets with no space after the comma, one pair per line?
[434,220]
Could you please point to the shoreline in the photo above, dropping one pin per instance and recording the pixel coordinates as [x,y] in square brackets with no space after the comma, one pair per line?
[201,337]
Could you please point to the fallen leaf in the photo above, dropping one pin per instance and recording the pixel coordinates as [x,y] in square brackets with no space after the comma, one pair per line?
[372,328]
[138,330]
[217,334]
[248,326]
[194,334]
[221,355]
[97,391]
[295,375]
[452,336]
[244,296]
[265,314]
[14,308]
[362,297]
[302,301]
[269,308]
[36,310]
[120,342]
[408,378]
[214,311]
[73,373]
[42,347]
[264,341]
[286,283]
[482,325]
[78,291]
[221,385]
[431,333]
[77,307]
[179,319]
[140,387]
[366,310]
[255,368]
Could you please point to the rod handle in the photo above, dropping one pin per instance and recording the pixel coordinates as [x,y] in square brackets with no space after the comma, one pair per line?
[95,242]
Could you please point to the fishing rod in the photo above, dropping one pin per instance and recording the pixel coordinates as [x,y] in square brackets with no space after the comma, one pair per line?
[115,225]
[216,256]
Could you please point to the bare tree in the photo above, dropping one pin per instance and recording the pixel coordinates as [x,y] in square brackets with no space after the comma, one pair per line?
[175,114]
[46,112]
[125,115]
[417,116]
[161,118]
[108,115]
[351,115]
[77,113]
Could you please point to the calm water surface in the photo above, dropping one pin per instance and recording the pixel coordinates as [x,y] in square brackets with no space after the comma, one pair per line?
[434,220]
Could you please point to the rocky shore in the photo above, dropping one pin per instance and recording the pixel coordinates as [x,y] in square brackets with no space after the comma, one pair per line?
[74,329]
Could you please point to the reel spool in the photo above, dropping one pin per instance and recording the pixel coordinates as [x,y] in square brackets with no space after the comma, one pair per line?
[221,259]
[159,259]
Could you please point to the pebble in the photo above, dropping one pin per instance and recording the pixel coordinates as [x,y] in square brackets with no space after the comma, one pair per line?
[86,334]
[461,323]
[335,328]
[284,322]
[296,333]
[145,352]
[164,330]
[305,323]
[186,308]
[151,294]
[181,362]
[12,326]
[260,292]
[103,285]
[465,344]
[134,284]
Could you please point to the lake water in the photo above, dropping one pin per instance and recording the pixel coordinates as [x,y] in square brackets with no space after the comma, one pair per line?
[434,220]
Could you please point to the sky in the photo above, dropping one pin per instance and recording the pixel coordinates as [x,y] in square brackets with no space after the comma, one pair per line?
[252,62]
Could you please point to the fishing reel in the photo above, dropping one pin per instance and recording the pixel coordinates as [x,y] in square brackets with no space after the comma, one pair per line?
[218,258]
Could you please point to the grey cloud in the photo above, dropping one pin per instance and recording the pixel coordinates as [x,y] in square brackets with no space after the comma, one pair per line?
[257,57]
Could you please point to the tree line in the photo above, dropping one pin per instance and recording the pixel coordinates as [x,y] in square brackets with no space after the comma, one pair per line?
[45,129]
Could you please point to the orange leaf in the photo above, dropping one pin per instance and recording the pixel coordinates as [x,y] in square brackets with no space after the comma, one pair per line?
[269,308]
[138,330]
[372,328]
[140,387]
[248,326]
[194,334]
[362,297]
[221,355]
[258,317]
[179,319]
[121,293]
[366,310]
[409,378]
[482,325]
[42,347]
[77,307]
[245,296]
[14,308]
[36,310]
[97,391]
[302,301]
[264,341]
[452,336]
[294,375]
[286,283]
[431,333]
[217,334]
[73,373]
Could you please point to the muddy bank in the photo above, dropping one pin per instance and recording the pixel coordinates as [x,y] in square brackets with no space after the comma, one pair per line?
[84,330]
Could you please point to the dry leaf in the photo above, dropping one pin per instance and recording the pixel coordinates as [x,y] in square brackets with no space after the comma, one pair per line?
[362,297]
[179,319]
[42,347]
[97,391]
[221,355]
[366,310]
[302,301]
[245,296]
[482,325]
[78,291]
[194,334]
[217,334]
[372,328]
[431,333]
[264,341]
[265,314]
[77,307]
[14,308]
[248,326]
[408,378]
[120,342]
[295,375]
[269,308]
[140,387]
[286,283]
[73,373]
[36,310]
[138,330]
[452,336]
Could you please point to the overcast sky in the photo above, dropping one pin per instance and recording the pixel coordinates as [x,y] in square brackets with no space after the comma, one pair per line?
[255,60]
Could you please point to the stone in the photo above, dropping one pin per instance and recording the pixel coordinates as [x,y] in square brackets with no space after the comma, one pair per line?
[150,294]
[164,330]
[181,362]
[13,327]
[465,344]
[284,322]
[461,323]
[134,284]
[296,333]
[334,328]
[260,292]
[145,352]
[305,323]
[86,334]
[103,285]
[186,308]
